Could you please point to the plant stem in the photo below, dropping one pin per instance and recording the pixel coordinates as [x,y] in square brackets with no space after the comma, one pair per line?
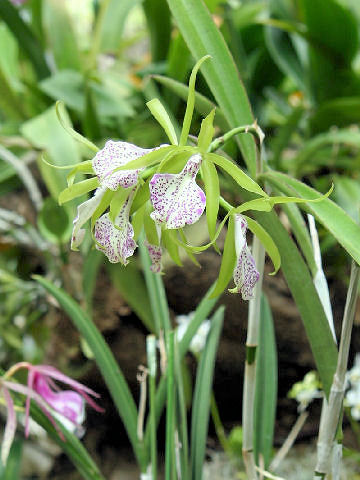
[170,411]
[151,355]
[331,411]
[254,129]
[250,364]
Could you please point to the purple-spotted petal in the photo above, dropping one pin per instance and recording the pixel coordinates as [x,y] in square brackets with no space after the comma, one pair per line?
[176,198]
[245,273]
[155,253]
[116,240]
[10,427]
[113,155]
[84,212]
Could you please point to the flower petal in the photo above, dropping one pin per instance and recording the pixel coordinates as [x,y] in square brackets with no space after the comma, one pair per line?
[10,427]
[245,273]
[116,240]
[113,155]
[155,253]
[84,213]
[176,198]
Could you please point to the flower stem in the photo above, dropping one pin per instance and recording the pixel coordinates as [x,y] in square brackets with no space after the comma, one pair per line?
[170,412]
[332,408]
[254,129]
[151,355]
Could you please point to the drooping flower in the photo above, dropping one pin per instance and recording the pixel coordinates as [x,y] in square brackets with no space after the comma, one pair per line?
[116,240]
[84,212]
[306,391]
[112,156]
[68,406]
[176,197]
[245,273]
[155,254]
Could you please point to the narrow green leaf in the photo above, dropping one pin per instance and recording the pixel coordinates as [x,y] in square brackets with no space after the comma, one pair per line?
[71,446]
[11,471]
[300,282]
[90,270]
[267,242]
[236,173]
[212,191]
[202,395]
[158,111]
[338,222]
[60,35]
[266,385]
[25,37]
[206,132]
[159,24]
[130,283]
[191,101]
[106,362]
[227,262]
[203,38]
[78,189]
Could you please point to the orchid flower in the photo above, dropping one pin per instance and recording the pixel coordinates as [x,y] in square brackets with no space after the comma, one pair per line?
[116,239]
[176,197]
[245,274]
[155,254]
[114,155]
[68,406]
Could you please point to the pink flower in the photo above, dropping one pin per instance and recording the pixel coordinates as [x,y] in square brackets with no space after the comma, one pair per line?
[176,197]
[68,406]
[245,273]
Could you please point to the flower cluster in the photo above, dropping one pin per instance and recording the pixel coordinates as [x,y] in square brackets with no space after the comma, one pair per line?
[67,406]
[174,201]
[352,397]
[306,391]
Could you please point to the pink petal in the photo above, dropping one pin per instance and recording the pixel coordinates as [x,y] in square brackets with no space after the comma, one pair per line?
[30,381]
[10,427]
[113,155]
[176,198]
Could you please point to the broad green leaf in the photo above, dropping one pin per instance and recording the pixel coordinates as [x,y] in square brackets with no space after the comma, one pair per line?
[46,133]
[106,362]
[54,222]
[212,191]
[129,281]
[159,112]
[78,189]
[206,132]
[112,28]
[266,385]
[202,395]
[60,35]
[25,37]
[203,38]
[333,218]
[227,262]
[236,173]
[267,242]
[190,101]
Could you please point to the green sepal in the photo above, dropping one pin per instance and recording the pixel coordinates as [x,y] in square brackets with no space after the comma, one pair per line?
[168,240]
[83,167]
[236,173]
[188,251]
[78,189]
[150,226]
[77,136]
[207,131]
[117,202]
[147,160]
[267,242]
[141,197]
[212,191]
[190,101]
[175,161]
[228,261]
[137,221]
[160,114]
